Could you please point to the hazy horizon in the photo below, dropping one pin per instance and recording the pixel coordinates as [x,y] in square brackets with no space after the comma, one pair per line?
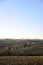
[21,19]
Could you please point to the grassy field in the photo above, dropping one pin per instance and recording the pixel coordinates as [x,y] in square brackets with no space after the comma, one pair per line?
[21,60]
[24,51]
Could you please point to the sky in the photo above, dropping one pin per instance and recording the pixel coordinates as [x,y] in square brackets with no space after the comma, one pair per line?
[21,19]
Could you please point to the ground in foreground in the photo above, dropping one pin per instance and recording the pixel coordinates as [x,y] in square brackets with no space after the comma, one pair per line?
[21,60]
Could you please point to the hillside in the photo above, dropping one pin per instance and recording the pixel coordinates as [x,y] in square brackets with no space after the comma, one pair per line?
[21,47]
[9,42]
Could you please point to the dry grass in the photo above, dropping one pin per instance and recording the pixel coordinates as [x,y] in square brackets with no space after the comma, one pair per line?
[21,60]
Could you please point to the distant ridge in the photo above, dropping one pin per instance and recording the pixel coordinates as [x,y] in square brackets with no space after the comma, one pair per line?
[8,42]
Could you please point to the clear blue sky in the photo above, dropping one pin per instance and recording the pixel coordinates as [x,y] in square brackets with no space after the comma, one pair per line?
[21,19]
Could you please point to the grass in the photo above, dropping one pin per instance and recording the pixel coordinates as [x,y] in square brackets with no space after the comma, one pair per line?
[21,60]
[29,51]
